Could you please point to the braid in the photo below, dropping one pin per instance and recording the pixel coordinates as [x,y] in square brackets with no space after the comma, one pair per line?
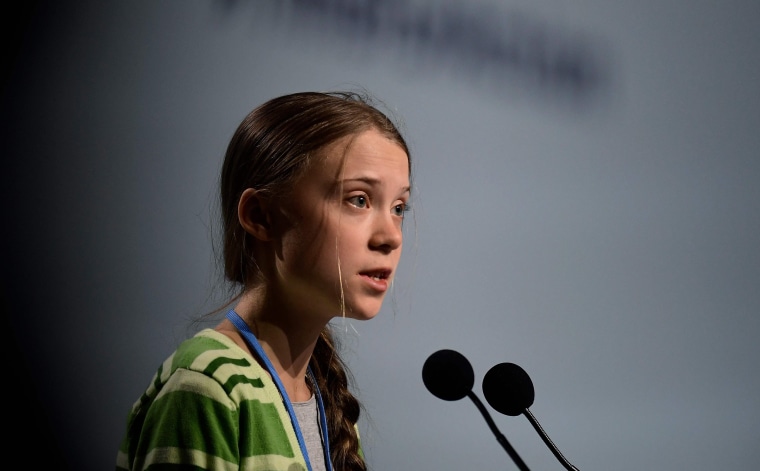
[341,407]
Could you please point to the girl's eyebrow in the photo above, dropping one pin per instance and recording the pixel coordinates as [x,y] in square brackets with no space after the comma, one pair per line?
[365,179]
[372,181]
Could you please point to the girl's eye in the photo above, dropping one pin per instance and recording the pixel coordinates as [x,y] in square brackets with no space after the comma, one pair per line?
[400,209]
[360,201]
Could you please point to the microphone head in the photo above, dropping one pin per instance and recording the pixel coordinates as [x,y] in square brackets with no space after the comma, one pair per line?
[448,375]
[508,389]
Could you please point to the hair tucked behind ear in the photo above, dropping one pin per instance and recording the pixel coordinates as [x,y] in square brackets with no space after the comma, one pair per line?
[341,407]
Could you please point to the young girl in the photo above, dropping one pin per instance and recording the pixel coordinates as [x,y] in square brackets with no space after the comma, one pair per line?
[314,188]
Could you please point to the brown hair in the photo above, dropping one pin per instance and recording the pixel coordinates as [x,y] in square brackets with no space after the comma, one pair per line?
[272,147]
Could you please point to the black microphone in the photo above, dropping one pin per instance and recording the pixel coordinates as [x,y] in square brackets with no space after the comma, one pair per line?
[449,376]
[509,390]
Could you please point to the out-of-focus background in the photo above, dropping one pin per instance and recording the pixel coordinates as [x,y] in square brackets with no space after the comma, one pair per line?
[586,205]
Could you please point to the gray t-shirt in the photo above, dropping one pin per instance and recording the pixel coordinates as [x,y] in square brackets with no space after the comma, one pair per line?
[308,420]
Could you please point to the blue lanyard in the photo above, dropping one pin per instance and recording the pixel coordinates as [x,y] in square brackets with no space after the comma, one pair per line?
[254,344]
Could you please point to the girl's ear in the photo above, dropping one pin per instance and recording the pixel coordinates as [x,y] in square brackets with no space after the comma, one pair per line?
[254,215]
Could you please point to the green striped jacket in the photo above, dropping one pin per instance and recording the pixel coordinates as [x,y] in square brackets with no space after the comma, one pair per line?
[210,407]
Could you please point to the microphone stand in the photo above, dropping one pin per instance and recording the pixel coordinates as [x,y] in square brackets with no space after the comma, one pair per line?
[569,467]
[499,436]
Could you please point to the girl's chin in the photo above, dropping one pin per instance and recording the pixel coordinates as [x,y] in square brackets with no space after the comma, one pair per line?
[360,315]
[365,317]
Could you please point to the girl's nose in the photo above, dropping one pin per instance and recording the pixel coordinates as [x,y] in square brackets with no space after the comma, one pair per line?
[387,235]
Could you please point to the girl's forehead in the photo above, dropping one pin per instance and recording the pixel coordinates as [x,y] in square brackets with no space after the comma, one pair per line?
[362,151]
[373,157]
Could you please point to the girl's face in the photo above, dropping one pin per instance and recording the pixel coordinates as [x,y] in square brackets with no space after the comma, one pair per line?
[340,236]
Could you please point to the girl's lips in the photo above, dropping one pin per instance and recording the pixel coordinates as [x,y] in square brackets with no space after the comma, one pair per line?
[377,280]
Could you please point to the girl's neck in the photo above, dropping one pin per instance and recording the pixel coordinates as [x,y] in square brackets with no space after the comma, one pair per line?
[287,341]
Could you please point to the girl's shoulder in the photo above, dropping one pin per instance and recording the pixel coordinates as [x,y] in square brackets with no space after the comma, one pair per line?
[209,366]
[216,356]
[205,347]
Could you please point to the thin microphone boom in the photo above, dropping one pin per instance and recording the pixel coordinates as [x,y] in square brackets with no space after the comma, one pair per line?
[499,436]
[555,451]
